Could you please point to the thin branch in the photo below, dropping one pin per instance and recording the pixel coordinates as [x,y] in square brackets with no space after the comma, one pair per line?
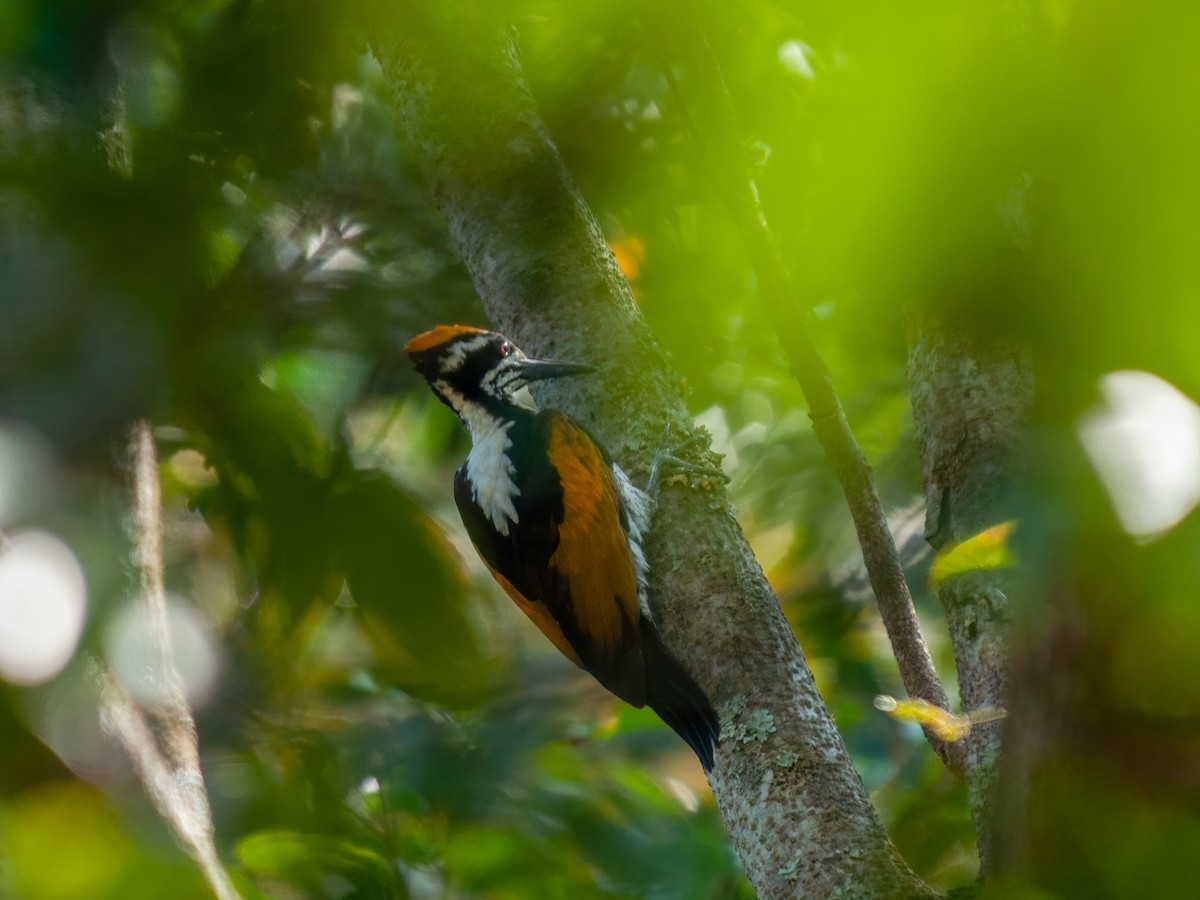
[172,779]
[121,718]
[717,134]
[172,710]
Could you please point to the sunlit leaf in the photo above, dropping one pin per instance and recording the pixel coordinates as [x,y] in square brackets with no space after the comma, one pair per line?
[946,725]
[987,550]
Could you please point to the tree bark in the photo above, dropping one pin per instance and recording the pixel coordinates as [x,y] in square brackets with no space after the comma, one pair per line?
[797,811]
[971,399]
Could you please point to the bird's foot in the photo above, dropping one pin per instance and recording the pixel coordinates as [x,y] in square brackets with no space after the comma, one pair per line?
[669,467]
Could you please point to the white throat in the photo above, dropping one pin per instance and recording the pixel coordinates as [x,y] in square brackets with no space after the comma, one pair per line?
[489,470]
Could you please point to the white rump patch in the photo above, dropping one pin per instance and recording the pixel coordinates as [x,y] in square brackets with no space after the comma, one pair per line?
[639,508]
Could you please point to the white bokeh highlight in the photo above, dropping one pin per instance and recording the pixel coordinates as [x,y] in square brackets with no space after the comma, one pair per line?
[63,713]
[1144,442]
[796,57]
[43,606]
[129,647]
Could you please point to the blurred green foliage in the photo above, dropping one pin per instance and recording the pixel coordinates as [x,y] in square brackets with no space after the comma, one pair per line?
[209,216]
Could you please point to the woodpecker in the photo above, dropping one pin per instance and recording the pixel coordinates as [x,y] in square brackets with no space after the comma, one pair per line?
[558,524]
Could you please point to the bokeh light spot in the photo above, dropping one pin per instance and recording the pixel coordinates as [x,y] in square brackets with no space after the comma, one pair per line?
[796,58]
[629,253]
[43,604]
[1144,441]
[131,652]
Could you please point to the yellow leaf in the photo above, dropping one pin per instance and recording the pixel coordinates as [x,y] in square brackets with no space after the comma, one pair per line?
[946,725]
[987,550]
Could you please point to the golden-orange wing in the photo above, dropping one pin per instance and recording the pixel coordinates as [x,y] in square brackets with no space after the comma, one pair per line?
[539,614]
[565,561]
[593,553]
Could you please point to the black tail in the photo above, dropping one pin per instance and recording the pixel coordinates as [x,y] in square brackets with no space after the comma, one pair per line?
[678,700]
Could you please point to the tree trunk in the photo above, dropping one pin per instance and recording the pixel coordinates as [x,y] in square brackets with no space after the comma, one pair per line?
[971,398]
[797,811]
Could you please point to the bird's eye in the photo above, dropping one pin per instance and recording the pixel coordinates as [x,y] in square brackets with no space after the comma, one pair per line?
[505,348]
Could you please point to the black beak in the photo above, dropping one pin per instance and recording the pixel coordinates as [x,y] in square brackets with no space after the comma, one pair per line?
[539,369]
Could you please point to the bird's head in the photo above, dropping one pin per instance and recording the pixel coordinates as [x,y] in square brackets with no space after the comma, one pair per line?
[469,368]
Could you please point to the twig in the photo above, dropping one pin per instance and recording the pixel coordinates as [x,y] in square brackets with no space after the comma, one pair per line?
[121,718]
[718,137]
[172,779]
[172,710]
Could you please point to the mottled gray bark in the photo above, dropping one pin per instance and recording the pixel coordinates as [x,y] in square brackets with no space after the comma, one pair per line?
[971,399]
[796,810]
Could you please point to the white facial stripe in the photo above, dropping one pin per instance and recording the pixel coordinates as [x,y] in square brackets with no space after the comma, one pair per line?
[453,397]
[489,470]
[503,379]
[522,397]
[460,350]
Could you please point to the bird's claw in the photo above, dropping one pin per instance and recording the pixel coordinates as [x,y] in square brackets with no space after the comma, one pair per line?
[670,467]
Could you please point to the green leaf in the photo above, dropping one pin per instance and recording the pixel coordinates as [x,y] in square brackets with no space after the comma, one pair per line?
[63,842]
[309,860]
[407,591]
